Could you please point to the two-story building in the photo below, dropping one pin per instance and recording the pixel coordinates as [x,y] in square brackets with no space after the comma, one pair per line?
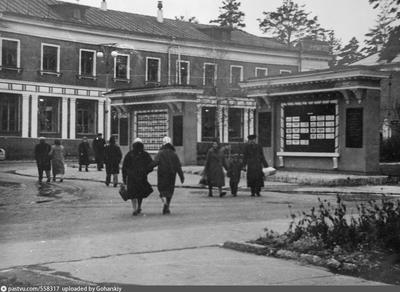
[69,70]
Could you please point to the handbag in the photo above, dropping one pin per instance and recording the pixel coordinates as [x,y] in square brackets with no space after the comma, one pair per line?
[269,171]
[123,192]
[203,179]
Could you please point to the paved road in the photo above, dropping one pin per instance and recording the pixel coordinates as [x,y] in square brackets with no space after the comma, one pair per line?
[81,232]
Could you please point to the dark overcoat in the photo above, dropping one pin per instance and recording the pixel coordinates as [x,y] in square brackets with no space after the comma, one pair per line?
[98,149]
[112,158]
[42,156]
[84,149]
[215,162]
[135,168]
[168,166]
[253,157]
[234,170]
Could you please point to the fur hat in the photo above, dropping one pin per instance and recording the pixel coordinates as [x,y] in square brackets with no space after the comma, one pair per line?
[166,140]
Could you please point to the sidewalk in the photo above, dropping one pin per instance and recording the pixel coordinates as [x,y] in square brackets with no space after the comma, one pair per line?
[283,181]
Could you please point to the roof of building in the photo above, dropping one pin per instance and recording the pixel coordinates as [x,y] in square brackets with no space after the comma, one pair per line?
[375,60]
[131,23]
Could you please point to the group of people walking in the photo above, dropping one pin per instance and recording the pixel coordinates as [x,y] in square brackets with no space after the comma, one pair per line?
[253,159]
[137,164]
[50,158]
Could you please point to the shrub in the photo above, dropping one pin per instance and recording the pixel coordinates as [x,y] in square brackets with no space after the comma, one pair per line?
[390,149]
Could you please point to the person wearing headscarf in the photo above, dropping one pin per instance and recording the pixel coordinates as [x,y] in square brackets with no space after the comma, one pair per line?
[42,158]
[135,169]
[253,158]
[213,169]
[112,158]
[168,166]
[57,154]
[83,151]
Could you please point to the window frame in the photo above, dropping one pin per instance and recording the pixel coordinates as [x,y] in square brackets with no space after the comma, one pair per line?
[18,52]
[95,104]
[261,68]
[94,66]
[241,138]
[178,68]
[128,67]
[17,98]
[203,137]
[231,75]
[57,72]
[158,69]
[59,115]
[285,71]
[215,73]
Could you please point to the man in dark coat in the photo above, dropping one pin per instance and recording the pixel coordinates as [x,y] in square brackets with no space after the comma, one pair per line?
[98,148]
[112,158]
[42,158]
[253,157]
[83,151]
[213,169]
[168,166]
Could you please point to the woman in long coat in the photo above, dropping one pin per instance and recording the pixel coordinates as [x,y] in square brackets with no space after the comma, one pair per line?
[112,158]
[57,154]
[253,157]
[83,150]
[213,171]
[135,168]
[168,166]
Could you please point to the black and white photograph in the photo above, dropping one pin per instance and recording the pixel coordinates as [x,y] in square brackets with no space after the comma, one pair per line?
[216,144]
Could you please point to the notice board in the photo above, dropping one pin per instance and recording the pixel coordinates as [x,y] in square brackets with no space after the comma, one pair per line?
[310,127]
[354,128]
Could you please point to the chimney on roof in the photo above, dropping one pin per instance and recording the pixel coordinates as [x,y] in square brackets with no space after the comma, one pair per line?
[160,17]
[103,5]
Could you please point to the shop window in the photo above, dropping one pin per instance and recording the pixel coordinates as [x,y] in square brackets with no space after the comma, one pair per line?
[235,124]
[236,75]
[10,53]
[49,114]
[10,113]
[121,69]
[209,75]
[50,58]
[265,129]
[183,72]
[177,137]
[87,65]
[208,126]
[153,69]
[261,72]
[85,116]
[124,131]
[152,127]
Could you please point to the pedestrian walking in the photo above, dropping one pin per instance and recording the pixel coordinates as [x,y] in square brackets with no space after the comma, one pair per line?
[42,157]
[253,158]
[135,167]
[168,166]
[98,148]
[213,170]
[112,158]
[57,154]
[234,171]
[83,151]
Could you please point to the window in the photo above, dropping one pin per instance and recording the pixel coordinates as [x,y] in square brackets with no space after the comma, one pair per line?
[9,113]
[153,69]
[177,130]
[50,58]
[236,75]
[285,72]
[208,127]
[10,53]
[121,67]
[265,129]
[49,114]
[87,64]
[182,72]
[210,75]
[261,72]
[85,116]
[235,124]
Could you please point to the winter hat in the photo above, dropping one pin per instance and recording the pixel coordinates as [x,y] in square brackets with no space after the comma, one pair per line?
[166,140]
[137,140]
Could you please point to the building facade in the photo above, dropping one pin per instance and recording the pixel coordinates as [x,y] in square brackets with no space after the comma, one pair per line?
[69,71]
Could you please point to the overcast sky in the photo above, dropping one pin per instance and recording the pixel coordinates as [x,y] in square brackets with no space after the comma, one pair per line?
[347,18]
